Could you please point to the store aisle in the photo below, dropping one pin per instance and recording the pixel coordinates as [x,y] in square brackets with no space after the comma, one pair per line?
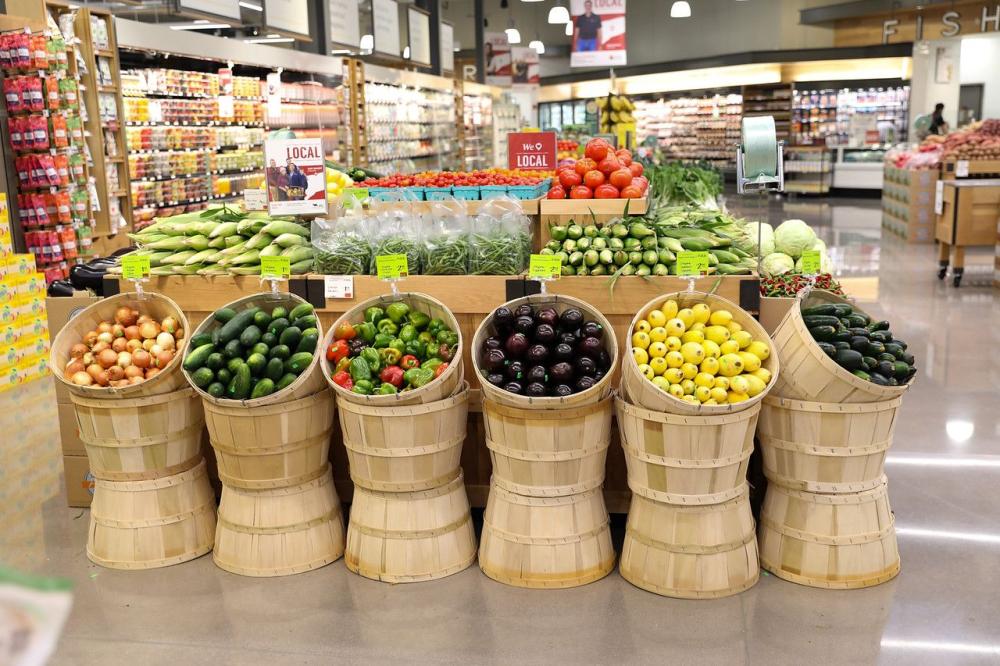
[943,473]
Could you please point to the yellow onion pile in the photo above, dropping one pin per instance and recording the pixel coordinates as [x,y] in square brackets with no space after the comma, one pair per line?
[129,350]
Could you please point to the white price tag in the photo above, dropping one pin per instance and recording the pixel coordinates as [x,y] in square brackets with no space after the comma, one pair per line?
[962,169]
[226,106]
[255,199]
[338,286]
[939,198]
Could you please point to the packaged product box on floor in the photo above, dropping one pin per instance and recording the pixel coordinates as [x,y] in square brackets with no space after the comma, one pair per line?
[60,311]
[908,203]
[79,481]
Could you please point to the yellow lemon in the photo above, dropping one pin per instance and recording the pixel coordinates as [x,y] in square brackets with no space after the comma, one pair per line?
[693,336]
[710,365]
[719,394]
[661,384]
[711,349]
[739,384]
[710,401]
[750,362]
[754,385]
[657,365]
[717,334]
[675,327]
[689,370]
[643,326]
[658,334]
[669,309]
[697,326]
[730,365]
[693,353]
[646,371]
[704,379]
[721,317]
[657,349]
[675,359]
[759,349]
[640,340]
[676,391]
[742,337]
[703,393]
[640,355]
[688,386]
[674,343]
[722,382]
[690,398]
[701,313]
[737,397]
[734,327]
[729,347]
[673,375]
[763,375]
[656,318]
[686,315]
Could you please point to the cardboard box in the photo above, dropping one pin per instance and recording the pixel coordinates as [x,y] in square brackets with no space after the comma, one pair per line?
[79,481]
[60,311]
[69,432]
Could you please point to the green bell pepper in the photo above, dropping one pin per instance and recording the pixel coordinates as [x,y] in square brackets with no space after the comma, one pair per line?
[374,314]
[416,348]
[387,389]
[408,333]
[417,377]
[390,356]
[372,358]
[397,312]
[364,387]
[447,337]
[360,370]
[434,326]
[432,364]
[387,326]
[382,341]
[419,320]
[398,345]
[425,337]
[366,331]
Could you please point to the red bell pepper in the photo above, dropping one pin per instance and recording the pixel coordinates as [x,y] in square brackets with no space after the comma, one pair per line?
[337,351]
[343,379]
[392,374]
[409,362]
[345,332]
[440,370]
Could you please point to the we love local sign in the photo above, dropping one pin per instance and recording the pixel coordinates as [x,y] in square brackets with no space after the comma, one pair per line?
[531,150]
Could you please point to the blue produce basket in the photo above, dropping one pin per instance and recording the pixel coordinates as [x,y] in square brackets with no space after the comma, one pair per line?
[415,193]
[523,191]
[437,193]
[381,193]
[466,192]
[492,191]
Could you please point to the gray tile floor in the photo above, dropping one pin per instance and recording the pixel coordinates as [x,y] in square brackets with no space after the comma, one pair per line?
[942,608]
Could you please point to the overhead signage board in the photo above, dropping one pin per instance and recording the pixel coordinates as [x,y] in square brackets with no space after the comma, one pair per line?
[419,24]
[447,40]
[345,23]
[229,9]
[385,16]
[289,16]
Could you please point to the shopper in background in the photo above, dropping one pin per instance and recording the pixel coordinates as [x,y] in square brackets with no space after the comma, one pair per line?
[587,34]
[938,124]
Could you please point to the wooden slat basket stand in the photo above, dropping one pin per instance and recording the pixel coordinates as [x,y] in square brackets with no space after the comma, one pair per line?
[410,518]
[546,524]
[690,531]
[279,513]
[153,503]
[824,434]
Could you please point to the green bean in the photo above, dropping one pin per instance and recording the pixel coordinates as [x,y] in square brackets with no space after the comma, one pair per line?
[495,253]
[398,245]
[343,254]
[445,255]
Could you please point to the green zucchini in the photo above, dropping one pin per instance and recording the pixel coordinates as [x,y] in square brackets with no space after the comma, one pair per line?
[812,321]
[861,374]
[823,333]
[825,309]
[828,349]
[849,359]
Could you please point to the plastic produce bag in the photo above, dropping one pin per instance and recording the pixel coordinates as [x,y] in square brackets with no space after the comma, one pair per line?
[445,246]
[499,239]
[341,245]
[397,231]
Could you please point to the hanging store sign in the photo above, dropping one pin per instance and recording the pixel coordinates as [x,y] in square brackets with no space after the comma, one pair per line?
[447,41]
[385,16]
[296,177]
[290,16]
[598,33]
[497,58]
[225,8]
[531,150]
[525,70]
[419,24]
[345,25]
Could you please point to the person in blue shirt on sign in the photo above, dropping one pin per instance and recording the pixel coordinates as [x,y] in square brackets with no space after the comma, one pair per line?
[296,179]
[587,34]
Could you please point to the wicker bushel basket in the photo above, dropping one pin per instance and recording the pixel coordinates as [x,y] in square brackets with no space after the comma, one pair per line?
[444,386]
[596,393]
[691,552]
[643,393]
[810,373]
[307,383]
[169,379]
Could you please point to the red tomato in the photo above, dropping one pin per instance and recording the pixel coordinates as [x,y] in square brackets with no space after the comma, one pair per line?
[597,149]
[645,182]
[620,178]
[557,192]
[609,164]
[641,184]
[635,168]
[606,192]
[624,158]
[584,165]
[569,178]
[581,192]
[593,179]
[631,193]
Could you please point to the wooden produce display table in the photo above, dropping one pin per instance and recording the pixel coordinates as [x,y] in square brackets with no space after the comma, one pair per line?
[470,298]
[967,216]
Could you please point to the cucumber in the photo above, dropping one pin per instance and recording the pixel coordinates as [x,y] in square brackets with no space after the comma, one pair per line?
[199,356]
[860,332]
[261,320]
[232,328]
[812,321]
[233,349]
[849,359]
[869,362]
[876,378]
[860,344]
[828,349]
[901,343]
[291,336]
[257,363]
[300,310]
[823,333]
[269,339]
[886,356]
[298,362]
[277,326]
[881,336]
[310,338]
[279,313]
[842,309]
[202,377]
[908,358]
[280,351]
[842,335]
[275,369]
[857,319]
[840,344]
[216,389]
[285,381]
[262,388]
[215,336]
[234,364]
[862,375]
[199,340]
[215,361]
[260,348]
[887,369]
[239,386]
[826,309]
[224,314]
[309,321]
[223,376]
[879,326]
[250,336]
[875,348]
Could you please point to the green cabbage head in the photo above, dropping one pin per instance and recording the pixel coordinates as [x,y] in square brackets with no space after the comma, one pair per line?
[792,237]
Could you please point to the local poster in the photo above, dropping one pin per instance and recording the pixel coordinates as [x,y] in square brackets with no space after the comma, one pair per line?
[525,69]
[498,65]
[296,177]
[598,33]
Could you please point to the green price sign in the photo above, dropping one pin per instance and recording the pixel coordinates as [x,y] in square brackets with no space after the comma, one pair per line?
[811,261]
[275,267]
[135,268]
[391,266]
[544,267]
[692,264]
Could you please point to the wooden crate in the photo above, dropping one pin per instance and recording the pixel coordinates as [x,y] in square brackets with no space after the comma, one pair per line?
[969,212]
[583,211]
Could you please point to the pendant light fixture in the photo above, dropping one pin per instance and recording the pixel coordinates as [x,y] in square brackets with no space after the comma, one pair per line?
[513,34]
[558,14]
[569,28]
[537,45]
[680,9]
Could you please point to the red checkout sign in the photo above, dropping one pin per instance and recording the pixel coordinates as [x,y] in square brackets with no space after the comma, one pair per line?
[531,150]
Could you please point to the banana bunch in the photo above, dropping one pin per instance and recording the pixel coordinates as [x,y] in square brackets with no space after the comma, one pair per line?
[615,110]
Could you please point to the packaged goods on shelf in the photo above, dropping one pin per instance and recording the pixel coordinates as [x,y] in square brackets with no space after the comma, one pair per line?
[688,128]
[24,339]
[477,118]
[431,114]
[850,116]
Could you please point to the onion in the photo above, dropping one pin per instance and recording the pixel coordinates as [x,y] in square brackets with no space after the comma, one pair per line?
[138,379]
[107,358]
[179,334]
[93,370]
[102,378]
[133,345]
[132,371]
[75,366]
[132,332]
[78,350]
[152,372]
[104,327]
[124,359]
[99,347]
[164,358]
[118,330]
[148,343]
[119,344]
[116,373]
[125,316]
[120,383]
[165,340]
[89,358]
[169,324]
[90,338]
[149,329]
[82,379]
[155,349]
[142,319]
[141,359]
[106,336]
